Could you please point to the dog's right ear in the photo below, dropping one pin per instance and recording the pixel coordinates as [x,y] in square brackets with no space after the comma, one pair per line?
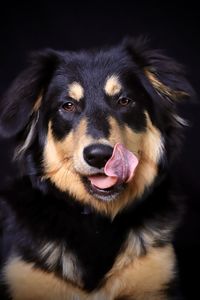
[23,98]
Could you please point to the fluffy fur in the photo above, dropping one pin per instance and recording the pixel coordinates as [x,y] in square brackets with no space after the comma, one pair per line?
[61,237]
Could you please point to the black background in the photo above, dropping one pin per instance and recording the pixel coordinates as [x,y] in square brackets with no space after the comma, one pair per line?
[63,25]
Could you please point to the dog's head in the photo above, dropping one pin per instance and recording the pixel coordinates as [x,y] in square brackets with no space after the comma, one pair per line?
[99,125]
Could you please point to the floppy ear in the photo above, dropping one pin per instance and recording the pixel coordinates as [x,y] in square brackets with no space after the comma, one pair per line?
[166,76]
[24,96]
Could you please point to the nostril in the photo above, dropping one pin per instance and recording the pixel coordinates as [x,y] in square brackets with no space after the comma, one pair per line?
[97,155]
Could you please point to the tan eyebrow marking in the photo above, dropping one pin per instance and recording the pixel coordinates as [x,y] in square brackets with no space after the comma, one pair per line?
[112,86]
[75,91]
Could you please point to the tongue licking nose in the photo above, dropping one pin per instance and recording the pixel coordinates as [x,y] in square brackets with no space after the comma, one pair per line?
[118,169]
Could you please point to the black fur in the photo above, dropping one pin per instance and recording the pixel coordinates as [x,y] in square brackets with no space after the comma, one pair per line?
[34,210]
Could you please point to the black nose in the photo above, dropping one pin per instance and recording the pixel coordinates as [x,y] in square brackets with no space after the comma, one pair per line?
[97,155]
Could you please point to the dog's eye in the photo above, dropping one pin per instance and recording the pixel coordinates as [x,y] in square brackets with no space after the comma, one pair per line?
[123,101]
[69,106]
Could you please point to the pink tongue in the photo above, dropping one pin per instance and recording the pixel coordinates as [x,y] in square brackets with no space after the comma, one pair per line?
[118,169]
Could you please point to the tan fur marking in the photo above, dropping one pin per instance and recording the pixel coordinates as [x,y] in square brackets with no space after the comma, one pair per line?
[144,276]
[112,86]
[29,283]
[163,89]
[150,153]
[75,91]
[58,161]
[38,103]
[131,250]
[148,147]
[138,278]
[59,164]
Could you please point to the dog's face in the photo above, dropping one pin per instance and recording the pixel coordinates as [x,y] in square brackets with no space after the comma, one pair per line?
[100,125]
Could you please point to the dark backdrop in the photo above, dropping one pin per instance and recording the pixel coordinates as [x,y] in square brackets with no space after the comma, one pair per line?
[25,27]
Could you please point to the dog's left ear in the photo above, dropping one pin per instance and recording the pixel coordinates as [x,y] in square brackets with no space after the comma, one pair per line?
[166,76]
[23,98]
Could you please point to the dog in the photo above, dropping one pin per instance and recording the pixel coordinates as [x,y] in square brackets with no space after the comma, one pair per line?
[91,213]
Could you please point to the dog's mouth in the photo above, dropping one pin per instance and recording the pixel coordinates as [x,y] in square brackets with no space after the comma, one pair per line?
[118,171]
[103,193]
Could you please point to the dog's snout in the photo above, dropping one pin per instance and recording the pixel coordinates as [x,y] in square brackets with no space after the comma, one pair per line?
[97,155]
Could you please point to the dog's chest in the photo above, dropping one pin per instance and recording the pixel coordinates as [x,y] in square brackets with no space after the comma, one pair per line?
[86,259]
[131,277]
